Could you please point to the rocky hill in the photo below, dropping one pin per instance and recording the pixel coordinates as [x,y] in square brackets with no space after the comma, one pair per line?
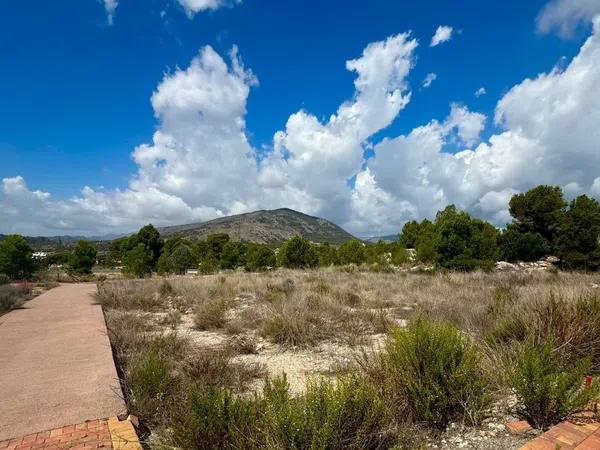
[266,227]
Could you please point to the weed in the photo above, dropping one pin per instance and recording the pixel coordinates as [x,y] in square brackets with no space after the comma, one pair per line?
[210,314]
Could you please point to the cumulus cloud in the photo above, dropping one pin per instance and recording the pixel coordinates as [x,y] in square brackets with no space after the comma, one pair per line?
[479,92]
[199,164]
[193,7]
[442,34]
[549,136]
[565,16]
[110,6]
[429,78]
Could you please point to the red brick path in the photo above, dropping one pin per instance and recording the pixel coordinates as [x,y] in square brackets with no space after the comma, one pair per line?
[91,435]
[568,436]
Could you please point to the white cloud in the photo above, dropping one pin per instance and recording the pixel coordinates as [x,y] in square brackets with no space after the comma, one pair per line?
[110,6]
[199,164]
[195,6]
[479,92]
[442,34]
[550,136]
[429,78]
[564,16]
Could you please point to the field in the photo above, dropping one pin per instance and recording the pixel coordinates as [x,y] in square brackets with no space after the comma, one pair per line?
[229,333]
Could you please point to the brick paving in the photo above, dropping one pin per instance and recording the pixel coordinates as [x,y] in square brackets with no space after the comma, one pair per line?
[106,434]
[568,436]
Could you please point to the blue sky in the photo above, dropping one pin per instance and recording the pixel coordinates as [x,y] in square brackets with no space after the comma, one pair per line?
[75,90]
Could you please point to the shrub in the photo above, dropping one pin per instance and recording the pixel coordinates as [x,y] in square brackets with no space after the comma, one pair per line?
[432,370]
[210,314]
[216,419]
[83,258]
[4,279]
[298,253]
[547,387]
[138,262]
[347,413]
[149,383]
[259,257]
[16,258]
[10,298]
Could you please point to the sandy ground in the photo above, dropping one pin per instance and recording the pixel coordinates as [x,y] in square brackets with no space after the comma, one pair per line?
[56,365]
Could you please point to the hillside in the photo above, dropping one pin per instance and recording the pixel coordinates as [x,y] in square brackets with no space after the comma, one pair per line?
[266,227]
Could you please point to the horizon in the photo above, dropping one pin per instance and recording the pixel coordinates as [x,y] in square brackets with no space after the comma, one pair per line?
[114,115]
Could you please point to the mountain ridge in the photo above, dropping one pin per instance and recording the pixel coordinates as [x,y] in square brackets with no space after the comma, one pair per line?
[264,227]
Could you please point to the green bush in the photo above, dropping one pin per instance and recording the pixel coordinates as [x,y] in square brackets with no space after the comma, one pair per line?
[216,419]
[83,258]
[432,370]
[347,413]
[150,382]
[549,388]
[297,253]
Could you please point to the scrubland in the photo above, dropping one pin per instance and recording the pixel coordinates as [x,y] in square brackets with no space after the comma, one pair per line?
[350,359]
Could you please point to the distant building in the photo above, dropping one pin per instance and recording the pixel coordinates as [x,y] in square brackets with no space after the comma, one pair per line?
[40,255]
[191,272]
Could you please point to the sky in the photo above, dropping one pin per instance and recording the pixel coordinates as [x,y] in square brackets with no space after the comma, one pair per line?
[119,113]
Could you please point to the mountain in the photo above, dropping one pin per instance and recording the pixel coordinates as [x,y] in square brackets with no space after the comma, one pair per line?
[265,227]
[388,238]
[56,243]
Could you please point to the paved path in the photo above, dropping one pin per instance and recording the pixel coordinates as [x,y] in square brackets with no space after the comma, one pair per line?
[56,365]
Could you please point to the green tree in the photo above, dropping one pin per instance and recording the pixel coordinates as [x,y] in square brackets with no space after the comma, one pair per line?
[259,257]
[328,255]
[83,258]
[517,246]
[539,210]
[298,252]
[233,255]
[426,245]
[138,261]
[410,234]
[579,234]
[352,252]
[181,259]
[16,258]
[216,242]
[150,237]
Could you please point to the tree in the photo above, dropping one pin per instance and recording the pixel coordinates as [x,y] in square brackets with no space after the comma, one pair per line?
[427,242]
[539,210]
[163,264]
[233,255]
[517,246]
[259,257]
[216,242]
[138,261]
[327,254]
[579,234]
[298,252]
[181,259]
[352,252]
[464,243]
[410,234]
[150,237]
[83,258]
[16,258]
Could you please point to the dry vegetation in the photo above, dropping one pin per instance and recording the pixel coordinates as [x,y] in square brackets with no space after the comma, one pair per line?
[236,330]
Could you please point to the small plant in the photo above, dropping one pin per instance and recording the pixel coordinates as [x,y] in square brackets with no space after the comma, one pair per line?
[210,314]
[547,387]
[172,319]
[11,298]
[165,289]
[432,371]
[150,382]
[243,345]
[4,279]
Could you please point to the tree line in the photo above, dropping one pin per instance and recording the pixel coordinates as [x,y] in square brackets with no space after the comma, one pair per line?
[543,223]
